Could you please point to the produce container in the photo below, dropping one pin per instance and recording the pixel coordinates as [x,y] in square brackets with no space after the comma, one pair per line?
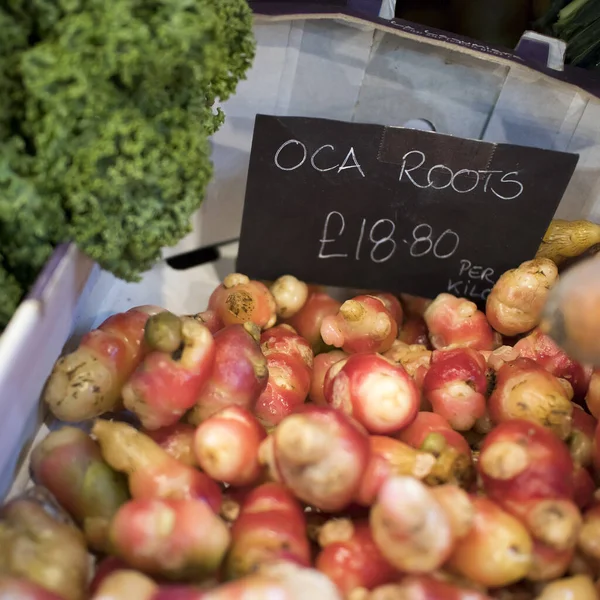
[331,62]
[30,344]
[76,309]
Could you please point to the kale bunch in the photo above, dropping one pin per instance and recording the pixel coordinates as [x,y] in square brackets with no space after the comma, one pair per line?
[106,108]
[577,22]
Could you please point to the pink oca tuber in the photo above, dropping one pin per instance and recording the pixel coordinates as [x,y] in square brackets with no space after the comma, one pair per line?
[239,373]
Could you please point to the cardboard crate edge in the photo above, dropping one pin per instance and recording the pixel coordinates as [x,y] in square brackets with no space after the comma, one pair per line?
[590,87]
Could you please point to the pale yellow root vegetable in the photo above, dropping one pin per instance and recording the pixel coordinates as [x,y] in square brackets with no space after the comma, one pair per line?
[411,528]
[290,295]
[126,585]
[87,382]
[579,587]
[497,551]
[41,549]
[515,303]
[567,239]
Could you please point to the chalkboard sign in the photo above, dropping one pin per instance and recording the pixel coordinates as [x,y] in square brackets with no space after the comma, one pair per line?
[387,208]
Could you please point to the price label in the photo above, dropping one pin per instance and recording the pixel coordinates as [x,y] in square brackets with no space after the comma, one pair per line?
[403,210]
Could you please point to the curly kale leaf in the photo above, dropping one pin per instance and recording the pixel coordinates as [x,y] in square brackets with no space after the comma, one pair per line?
[132,187]
[30,226]
[13,40]
[10,295]
[149,54]
[577,22]
[579,25]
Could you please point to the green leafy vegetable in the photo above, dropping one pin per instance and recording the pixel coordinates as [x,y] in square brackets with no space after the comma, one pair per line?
[106,111]
[578,24]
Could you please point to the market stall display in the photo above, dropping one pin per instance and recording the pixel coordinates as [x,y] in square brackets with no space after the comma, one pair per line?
[214,436]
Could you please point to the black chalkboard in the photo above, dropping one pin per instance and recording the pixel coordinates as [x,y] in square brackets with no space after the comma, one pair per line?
[402,210]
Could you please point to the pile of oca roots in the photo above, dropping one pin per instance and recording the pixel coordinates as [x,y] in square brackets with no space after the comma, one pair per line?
[285,445]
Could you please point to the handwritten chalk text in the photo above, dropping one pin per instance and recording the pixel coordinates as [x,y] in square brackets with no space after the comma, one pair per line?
[380,235]
[474,281]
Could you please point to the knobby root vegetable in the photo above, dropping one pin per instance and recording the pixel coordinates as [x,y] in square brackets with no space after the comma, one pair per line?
[432,434]
[454,322]
[515,303]
[363,324]
[166,385]
[350,557]
[541,348]
[379,394]
[520,461]
[151,471]
[528,471]
[451,466]
[233,498]
[425,588]
[283,339]
[497,551]
[239,300]
[426,423]
[584,487]
[458,507]
[87,382]
[271,527]
[12,588]
[284,581]
[583,565]
[105,568]
[413,529]
[525,390]
[69,464]
[163,332]
[181,540]
[321,365]
[499,357]
[290,363]
[320,455]
[567,239]
[578,587]
[548,563]
[126,585]
[414,332]
[592,398]
[393,305]
[226,446]
[554,522]
[414,358]
[210,319]
[177,441]
[307,321]
[239,373]
[388,458]
[455,386]
[596,451]
[290,295]
[581,440]
[39,548]
[589,534]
